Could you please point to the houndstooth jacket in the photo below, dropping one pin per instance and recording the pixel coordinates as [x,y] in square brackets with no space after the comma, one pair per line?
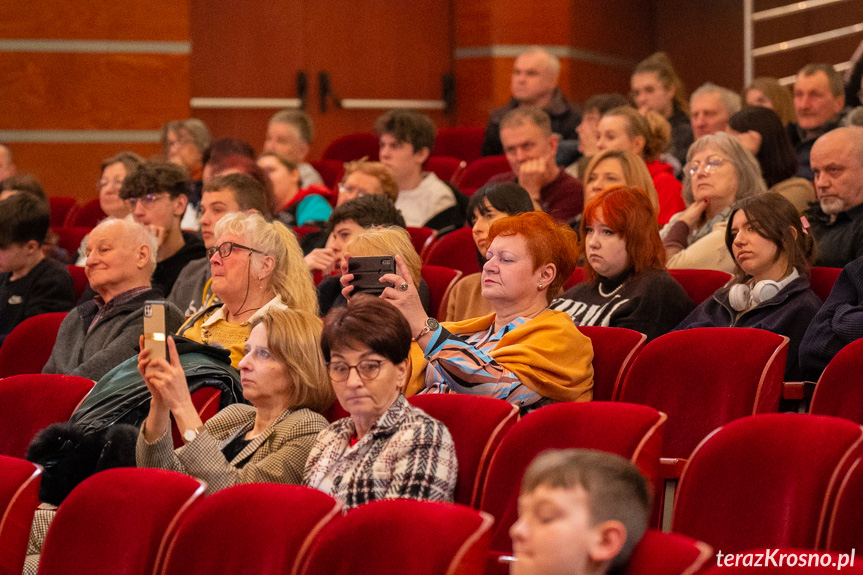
[405,454]
[275,456]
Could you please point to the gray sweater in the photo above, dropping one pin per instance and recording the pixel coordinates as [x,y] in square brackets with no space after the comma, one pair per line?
[188,290]
[113,340]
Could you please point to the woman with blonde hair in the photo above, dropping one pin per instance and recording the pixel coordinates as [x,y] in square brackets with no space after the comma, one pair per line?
[611,168]
[624,128]
[383,241]
[255,266]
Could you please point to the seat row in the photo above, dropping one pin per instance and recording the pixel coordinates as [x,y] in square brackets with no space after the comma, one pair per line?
[777,481]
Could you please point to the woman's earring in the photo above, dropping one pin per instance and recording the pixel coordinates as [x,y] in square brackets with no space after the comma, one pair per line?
[540,286]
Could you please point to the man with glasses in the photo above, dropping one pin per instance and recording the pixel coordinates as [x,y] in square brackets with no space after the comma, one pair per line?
[156,194]
[221,196]
[103,331]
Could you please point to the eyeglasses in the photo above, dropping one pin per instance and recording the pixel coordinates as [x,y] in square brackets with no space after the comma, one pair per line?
[145,201]
[368,369]
[710,166]
[356,192]
[225,249]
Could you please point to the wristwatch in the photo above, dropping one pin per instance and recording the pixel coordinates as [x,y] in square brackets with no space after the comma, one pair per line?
[191,434]
[431,325]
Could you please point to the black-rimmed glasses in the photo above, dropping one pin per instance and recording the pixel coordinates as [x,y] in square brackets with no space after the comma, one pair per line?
[225,249]
[368,369]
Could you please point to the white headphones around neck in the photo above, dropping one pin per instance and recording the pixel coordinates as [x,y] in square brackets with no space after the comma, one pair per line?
[742,297]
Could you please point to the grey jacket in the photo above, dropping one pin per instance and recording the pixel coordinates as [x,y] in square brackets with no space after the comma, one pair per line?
[188,291]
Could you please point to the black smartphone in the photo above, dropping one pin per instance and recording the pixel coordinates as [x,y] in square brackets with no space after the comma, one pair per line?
[368,270]
[155,338]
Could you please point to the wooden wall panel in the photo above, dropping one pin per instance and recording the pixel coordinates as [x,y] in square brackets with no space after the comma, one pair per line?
[70,169]
[587,79]
[622,28]
[163,20]
[63,91]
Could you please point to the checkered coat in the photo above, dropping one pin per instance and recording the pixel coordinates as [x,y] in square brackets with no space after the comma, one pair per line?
[275,456]
[405,454]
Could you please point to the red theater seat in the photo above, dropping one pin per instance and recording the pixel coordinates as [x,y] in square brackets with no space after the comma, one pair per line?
[353,147]
[440,281]
[667,554]
[28,346]
[614,350]
[446,168]
[821,280]
[464,143]
[331,172]
[455,250]
[88,216]
[478,173]
[700,284]
[839,390]
[19,496]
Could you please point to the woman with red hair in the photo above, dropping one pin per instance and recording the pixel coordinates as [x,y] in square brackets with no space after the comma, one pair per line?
[626,284]
[522,352]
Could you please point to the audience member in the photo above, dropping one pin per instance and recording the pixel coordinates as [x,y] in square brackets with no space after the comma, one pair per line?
[524,352]
[625,129]
[819,97]
[588,129]
[719,172]
[710,107]
[407,139]
[382,241]
[22,184]
[837,323]
[770,290]
[255,266]
[291,205]
[657,87]
[30,283]
[222,195]
[580,512]
[535,76]
[837,218]
[289,135]
[283,377]
[183,144]
[347,221]
[761,132]
[156,194]
[612,168]
[385,448]
[624,267]
[222,152]
[489,204]
[530,148]
[7,166]
[102,332]
[769,93]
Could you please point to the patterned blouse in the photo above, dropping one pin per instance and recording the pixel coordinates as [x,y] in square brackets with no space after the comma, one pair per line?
[405,454]
[462,364]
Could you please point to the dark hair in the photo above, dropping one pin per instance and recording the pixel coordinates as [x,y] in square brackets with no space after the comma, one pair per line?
[369,321]
[130,161]
[775,219]
[248,192]
[660,64]
[507,197]
[225,147]
[23,217]
[835,79]
[372,210]
[248,166]
[616,489]
[407,126]
[604,102]
[776,156]
[155,177]
[630,213]
[25,183]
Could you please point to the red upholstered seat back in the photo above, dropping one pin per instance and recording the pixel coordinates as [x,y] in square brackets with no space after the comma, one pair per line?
[464,143]
[700,284]
[821,280]
[28,346]
[61,208]
[19,496]
[399,536]
[479,172]
[661,553]
[705,377]
[89,215]
[614,350]
[454,250]
[251,528]
[765,481]
[29,403]
[440,281]
[331,172]
[421,239]
[631,431]
[79,279]
[447,168]
[352,147]
[845,529]
[477,425]
[118,521]
[839,390]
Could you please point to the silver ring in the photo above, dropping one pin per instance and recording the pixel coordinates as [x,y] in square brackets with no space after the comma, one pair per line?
[404,286]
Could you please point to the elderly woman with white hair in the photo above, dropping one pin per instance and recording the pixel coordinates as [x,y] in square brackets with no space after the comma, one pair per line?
[255,266]
[718,172]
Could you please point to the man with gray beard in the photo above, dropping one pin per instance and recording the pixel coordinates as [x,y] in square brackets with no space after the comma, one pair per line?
[837,217]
